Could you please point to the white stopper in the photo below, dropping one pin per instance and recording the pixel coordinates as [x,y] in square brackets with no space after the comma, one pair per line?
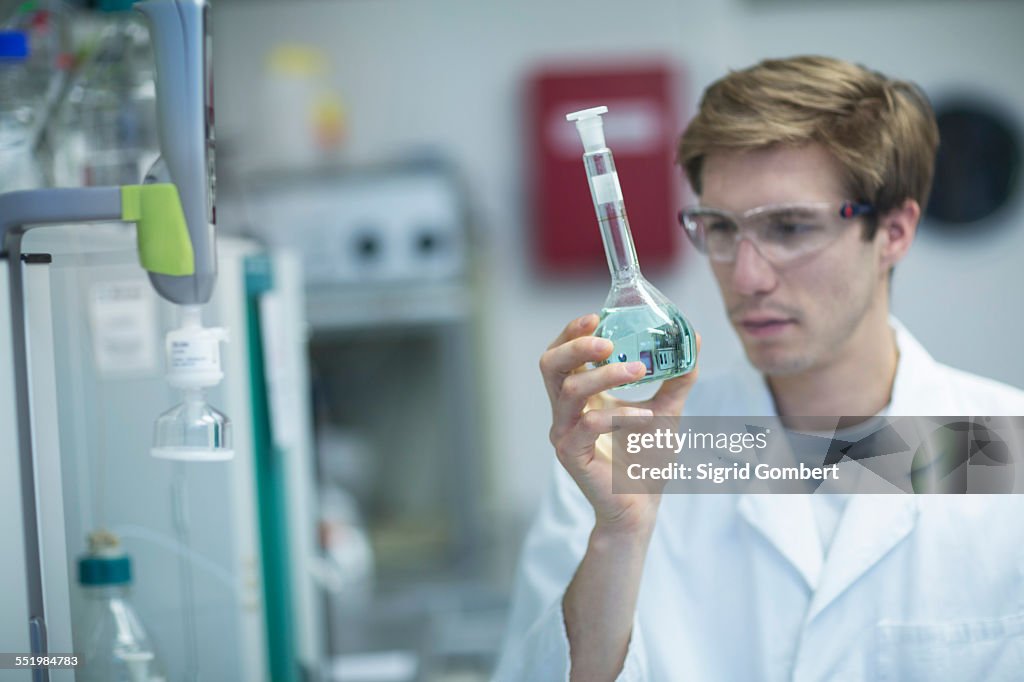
[590,127]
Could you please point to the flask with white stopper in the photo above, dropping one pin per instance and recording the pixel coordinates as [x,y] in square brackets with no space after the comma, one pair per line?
[193,430]
[642,323]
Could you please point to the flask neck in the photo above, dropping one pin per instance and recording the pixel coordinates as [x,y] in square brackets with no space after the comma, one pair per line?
[611,215]
[618,247]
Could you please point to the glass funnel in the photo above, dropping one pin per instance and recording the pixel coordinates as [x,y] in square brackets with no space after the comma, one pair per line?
[192,430]
[642,323]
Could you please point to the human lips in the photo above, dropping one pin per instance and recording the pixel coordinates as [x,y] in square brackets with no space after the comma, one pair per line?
[761,326]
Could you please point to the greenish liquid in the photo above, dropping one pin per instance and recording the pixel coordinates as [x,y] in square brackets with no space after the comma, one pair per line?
[662,340]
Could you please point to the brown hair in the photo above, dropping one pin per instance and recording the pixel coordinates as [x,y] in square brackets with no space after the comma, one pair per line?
[882,131]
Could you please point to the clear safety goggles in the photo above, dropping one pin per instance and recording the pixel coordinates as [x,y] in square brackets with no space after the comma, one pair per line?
[781,233]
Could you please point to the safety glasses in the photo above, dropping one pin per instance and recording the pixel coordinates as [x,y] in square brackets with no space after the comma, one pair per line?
[782,233]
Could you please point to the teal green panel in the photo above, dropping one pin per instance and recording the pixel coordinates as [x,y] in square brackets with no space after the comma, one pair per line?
[270,486]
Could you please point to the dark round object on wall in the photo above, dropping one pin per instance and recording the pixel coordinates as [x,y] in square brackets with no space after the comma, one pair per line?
[978,166]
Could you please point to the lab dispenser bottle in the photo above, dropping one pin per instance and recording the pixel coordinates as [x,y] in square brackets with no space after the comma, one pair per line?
[642,323]
[105,130]
[18,113]
[114,645]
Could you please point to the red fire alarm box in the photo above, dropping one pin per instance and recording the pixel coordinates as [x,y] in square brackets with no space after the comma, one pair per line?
[642,127]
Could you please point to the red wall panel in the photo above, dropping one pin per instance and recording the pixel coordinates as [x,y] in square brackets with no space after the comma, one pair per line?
[641,128]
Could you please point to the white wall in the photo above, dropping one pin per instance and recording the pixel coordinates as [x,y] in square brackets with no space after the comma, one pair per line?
[449,74]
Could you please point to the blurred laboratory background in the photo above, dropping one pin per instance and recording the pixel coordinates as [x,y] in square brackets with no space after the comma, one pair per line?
[403,225]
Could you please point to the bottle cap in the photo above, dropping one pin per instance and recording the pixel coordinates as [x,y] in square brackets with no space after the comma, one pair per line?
[13,46]
[98,571]
[115,5]
[106,563]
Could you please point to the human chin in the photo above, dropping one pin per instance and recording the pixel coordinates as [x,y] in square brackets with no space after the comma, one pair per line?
[777,361]
[789,354]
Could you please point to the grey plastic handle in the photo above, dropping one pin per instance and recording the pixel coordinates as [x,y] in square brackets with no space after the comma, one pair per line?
[184,88]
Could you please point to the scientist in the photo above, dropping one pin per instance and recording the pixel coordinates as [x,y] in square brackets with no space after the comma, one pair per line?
[811,174]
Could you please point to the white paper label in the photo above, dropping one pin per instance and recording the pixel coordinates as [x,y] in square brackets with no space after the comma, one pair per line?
[606,188]
[198,353]
[283,387]
[123,320]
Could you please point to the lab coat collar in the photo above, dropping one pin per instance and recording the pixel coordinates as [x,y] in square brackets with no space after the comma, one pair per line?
[919,388]
[871,525]
[787,522]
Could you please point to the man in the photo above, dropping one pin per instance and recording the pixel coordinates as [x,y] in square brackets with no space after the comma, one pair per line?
[811,174]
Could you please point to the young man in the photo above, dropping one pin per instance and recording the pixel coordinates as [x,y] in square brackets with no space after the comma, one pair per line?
[811,174]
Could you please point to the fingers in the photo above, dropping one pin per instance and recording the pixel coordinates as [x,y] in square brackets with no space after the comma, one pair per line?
[578,388]
[570,390]
[560,361]
[576,448]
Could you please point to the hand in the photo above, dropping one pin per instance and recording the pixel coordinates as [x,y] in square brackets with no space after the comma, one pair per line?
[581,413]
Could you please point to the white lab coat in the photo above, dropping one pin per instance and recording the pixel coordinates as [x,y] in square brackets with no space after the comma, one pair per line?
[735,587]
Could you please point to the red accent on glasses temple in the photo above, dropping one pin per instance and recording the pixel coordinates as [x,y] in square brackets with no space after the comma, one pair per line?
[849,209]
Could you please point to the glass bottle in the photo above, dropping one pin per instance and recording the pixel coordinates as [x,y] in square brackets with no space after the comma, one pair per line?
[642,323]
[105,131]
[114,644]
[18,115]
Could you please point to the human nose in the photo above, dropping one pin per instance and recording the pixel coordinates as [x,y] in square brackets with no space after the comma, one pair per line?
[751,273]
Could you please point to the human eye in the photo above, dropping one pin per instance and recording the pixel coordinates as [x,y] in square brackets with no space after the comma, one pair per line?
[790,228]
[719,225]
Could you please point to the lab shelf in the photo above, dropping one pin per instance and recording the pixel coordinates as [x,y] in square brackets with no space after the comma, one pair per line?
[341,308]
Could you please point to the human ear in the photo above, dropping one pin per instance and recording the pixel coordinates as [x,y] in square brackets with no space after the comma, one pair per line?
[896,230]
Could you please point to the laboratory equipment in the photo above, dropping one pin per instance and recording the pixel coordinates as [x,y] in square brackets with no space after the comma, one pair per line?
[299,118]
[394,315]
[642,323]
[116,647]
[18,113]
[105,130]
[232,542]
[396,224]
[47,23]
[48,26]
[175,245]
[193,430]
